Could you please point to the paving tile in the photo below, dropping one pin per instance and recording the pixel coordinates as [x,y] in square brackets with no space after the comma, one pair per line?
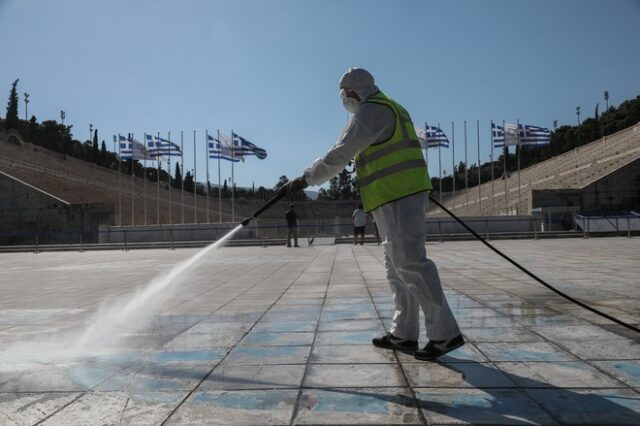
[285,326]
[535,351]
[480,406]
[270,355]
[277,339]
[344,337]
[574,374]
[603,350]
[56,377]
[203,341]
[625,371]
[363,406]
[590,406]
[248,407]
[500,334]
[350,354]
[354,375]
[575,332]
[456,375]
[351,325]
[230,377]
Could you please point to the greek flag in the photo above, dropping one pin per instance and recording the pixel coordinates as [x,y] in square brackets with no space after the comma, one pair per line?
[131,149]
[519,134]
[158,146]
[245,147]
[504,136]
[219,149]
[534,135]
[432,137]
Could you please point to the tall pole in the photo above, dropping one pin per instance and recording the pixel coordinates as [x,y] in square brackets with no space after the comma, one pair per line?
[504,173]
[195,186]
[144,160]
[493,189]
[453,164]
[206,146]
[426,158]
[181,177]
[518,147]
[219,183]
[440,167]
[578,129]
[479,175]
[169,163]
[117,153]
[466,170]
[133,222]
[233,181]
[63,115]
[606,99]
[158,157]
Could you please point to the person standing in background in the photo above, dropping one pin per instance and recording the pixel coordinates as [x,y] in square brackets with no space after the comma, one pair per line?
[359,222]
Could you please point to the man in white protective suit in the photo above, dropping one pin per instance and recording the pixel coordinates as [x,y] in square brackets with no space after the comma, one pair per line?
[394,183]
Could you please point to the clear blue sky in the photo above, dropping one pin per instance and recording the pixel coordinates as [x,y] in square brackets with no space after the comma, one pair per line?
[270,69]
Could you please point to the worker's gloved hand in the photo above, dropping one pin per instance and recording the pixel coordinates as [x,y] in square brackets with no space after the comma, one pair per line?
[297,184]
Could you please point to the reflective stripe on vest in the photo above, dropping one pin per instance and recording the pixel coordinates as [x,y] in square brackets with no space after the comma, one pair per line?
[395,168]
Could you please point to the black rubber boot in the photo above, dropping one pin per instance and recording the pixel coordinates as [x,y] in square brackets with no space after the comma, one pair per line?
[437,348]
[392,342]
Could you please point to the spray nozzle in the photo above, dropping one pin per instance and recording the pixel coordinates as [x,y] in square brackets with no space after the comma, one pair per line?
[246,221]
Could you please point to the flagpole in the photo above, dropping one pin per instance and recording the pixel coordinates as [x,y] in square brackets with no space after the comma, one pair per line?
[119,194]
[133,222]
[206,132]
[233,185]
[493,189]
[181,177]
[195,189]
[158,157]
[169,163]
[505,152]
[453,165]
[479,175]
[426,157]
[518,155]
[440,167]
[219,183]
[466,170]
[145,178]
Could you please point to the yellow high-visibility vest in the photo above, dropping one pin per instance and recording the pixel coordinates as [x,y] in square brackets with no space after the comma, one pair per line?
[389,170]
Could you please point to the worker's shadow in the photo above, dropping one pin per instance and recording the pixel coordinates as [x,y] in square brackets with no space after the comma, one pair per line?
[511,405]
[495,405]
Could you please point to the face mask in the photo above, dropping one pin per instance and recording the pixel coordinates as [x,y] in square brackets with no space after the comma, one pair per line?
[350,104]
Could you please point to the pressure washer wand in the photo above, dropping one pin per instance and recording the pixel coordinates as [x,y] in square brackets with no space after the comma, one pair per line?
[279,195]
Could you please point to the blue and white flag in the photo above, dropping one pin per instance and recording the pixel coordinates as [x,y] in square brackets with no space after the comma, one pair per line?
[245,147]
[131,149]
[534,135]
[504,136]
[519,134]
[432,137]
[158,146]
[221,150]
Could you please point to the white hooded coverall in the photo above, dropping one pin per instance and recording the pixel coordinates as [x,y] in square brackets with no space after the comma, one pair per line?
[412,277]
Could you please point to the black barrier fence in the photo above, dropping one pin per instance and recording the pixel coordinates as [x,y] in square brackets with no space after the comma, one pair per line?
[272,232]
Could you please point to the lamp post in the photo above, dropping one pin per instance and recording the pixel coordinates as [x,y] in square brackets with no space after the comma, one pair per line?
[606,100]
[26,106]
[578,128]
[90,132]
[62,115]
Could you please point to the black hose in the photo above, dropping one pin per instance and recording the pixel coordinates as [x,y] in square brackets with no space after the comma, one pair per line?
[279,195]
[540,280]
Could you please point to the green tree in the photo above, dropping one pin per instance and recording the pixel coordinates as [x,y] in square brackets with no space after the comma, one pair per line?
[188,182]
[12,120]
[178,177]
[102,158]
[226,193]
[95,151]
[282,181]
